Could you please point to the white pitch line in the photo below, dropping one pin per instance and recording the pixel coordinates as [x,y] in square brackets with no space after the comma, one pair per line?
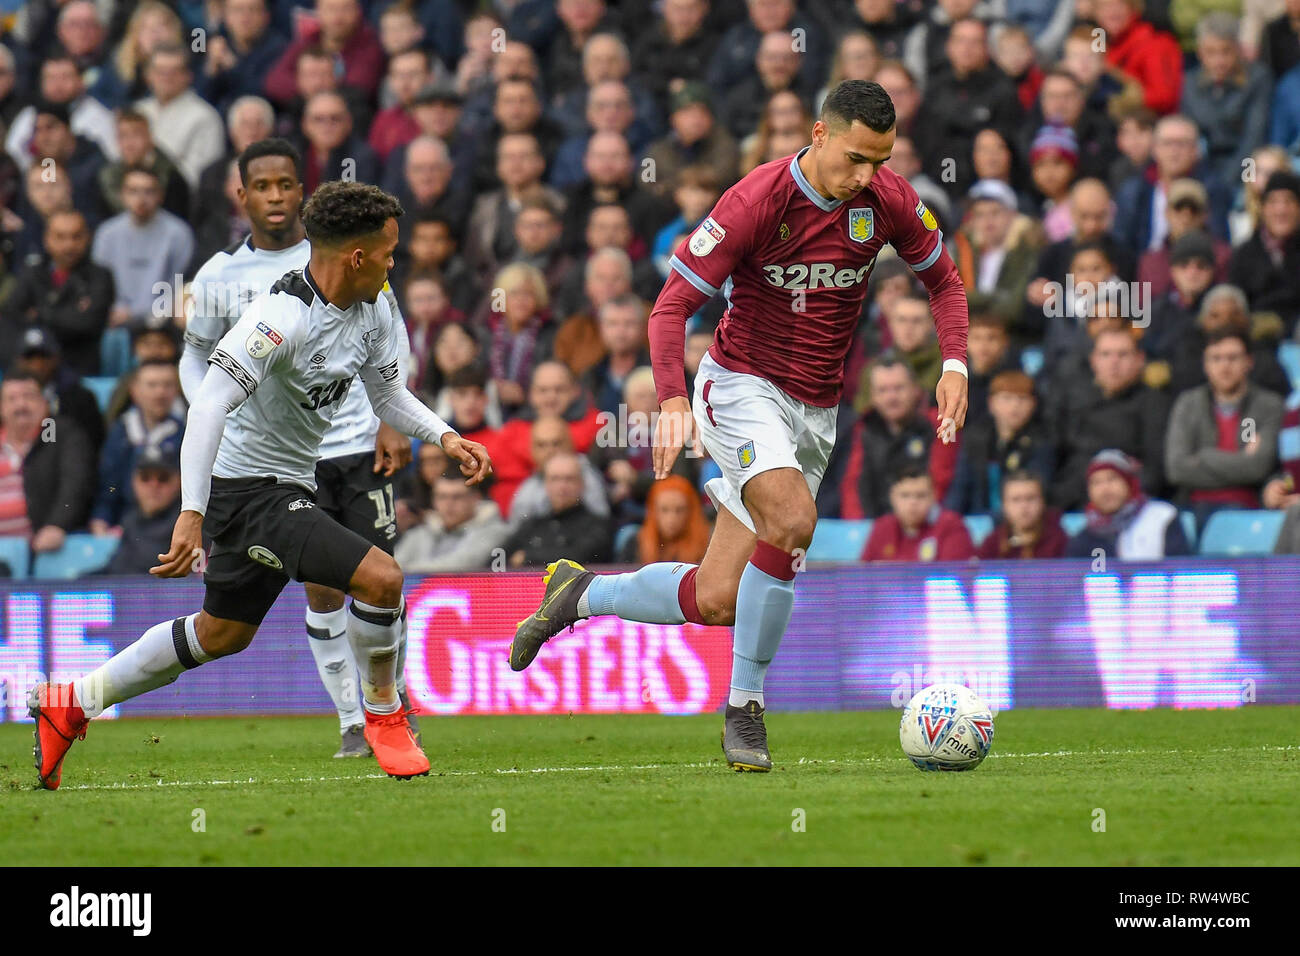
[616,768]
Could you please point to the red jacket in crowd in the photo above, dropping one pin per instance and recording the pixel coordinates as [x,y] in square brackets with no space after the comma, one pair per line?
[363,63]
[1050,542]
[942,538]
[1154,59]
[511,450]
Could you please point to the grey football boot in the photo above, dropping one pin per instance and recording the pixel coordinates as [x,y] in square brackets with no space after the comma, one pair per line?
[354,743]
[744,739]
[565,582]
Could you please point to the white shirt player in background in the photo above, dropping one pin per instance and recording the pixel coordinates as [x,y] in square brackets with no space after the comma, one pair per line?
[271,194]
[248,462]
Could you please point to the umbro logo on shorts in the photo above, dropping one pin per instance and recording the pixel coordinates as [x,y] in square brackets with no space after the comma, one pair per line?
[301,503]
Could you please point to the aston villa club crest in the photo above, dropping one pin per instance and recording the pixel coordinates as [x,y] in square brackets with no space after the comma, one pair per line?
[784,232]
[862,224]
[746,454]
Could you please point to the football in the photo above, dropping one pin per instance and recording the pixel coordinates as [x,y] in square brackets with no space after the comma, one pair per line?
[946,727]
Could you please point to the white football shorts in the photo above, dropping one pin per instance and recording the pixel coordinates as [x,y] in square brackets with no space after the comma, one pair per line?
[749,426]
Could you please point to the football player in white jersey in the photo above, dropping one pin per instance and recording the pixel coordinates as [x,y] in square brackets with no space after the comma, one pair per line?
[248,478]
[359,454]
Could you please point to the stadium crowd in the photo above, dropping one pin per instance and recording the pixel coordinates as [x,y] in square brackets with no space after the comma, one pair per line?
[1115,179]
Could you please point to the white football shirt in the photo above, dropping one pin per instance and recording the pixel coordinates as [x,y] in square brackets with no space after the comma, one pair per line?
[296,356]
[227,285]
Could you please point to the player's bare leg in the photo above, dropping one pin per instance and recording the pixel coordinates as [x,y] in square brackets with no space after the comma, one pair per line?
[375,632]
[63,711]
[662,593]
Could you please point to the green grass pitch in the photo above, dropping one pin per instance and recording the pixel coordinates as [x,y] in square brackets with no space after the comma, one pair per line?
[1176,788]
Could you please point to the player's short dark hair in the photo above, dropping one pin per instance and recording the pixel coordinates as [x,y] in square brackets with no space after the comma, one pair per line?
[909,471]
[861,101]
[1228,332]
[339,211]
[273,146]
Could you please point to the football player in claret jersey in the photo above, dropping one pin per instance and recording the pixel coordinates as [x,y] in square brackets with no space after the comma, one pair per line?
[248,478]
[791,246]
[358,455]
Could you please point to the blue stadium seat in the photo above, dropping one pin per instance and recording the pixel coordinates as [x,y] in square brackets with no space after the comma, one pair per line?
[839,540]
[1231,533]
[1072,522]
[1288,355]
[16,553]
[1031,361]
[102,388]
[81,554]
[623,536]
[979,526]
[1189,528]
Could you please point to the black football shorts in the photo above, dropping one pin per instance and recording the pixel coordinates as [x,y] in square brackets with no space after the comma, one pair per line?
[350,491]
[264,533]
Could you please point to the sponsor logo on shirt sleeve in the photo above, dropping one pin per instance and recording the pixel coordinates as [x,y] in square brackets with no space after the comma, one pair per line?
[263,341]
[706,237]
[927,218]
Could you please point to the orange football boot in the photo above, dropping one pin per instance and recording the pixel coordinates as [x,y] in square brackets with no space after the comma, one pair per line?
[59,721]
[389,736]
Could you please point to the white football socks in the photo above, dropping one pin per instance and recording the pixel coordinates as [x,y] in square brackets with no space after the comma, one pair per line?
[156,659]
[375,634]
[328,639]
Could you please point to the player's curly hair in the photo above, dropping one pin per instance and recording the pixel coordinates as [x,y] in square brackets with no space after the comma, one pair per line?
[339,211]
[860,100]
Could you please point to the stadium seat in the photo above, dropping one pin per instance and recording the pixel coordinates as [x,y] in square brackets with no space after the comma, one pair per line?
[839,540]
[81,554]
[16,553]
[623,536]
[1232,533]
[1288,355]
[1072,522]
[1031,361]
[979,526]
[1189,528]
[101,386]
